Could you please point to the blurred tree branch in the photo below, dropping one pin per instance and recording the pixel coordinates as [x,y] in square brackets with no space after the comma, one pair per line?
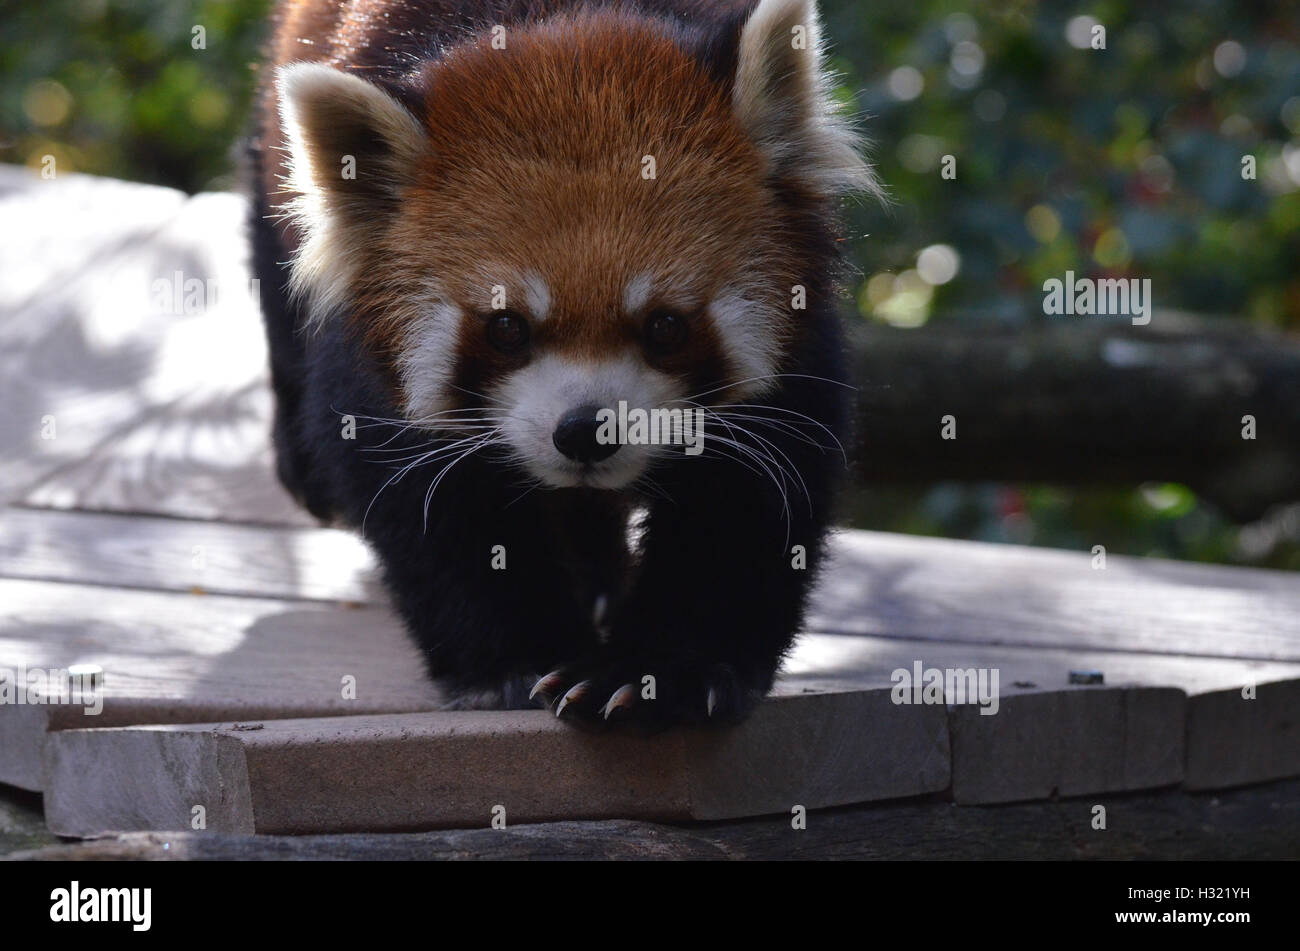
[1084,401]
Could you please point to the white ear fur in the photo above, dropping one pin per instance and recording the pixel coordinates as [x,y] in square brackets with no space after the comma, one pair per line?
[327,114]
[782,98]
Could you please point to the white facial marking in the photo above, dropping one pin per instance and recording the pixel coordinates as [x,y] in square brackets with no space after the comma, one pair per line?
[538,395]
[637,293]
[428,359]
[748,332]
[537,296]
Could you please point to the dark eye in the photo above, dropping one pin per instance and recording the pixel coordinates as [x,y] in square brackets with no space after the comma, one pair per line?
[665,331]
[507,331]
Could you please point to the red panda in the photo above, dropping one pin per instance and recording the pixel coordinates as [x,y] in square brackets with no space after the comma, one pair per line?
[492,230]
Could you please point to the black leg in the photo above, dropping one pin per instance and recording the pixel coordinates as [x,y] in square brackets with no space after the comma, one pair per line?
[482,586]
[727,564]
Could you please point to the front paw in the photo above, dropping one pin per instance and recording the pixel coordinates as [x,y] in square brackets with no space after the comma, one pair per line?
[649,691]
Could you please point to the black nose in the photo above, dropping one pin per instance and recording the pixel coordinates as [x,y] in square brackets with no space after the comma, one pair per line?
[575,436]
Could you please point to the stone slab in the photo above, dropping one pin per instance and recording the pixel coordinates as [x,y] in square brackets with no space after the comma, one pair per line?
[451,769]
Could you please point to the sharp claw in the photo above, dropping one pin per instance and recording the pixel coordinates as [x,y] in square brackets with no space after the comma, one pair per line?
[545,685]
[713,699]
[575,692]
[621,699]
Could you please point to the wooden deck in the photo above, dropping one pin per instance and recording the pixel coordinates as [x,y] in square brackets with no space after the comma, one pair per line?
[143,531]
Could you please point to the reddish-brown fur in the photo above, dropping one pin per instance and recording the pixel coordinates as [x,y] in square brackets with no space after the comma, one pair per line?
[535,164]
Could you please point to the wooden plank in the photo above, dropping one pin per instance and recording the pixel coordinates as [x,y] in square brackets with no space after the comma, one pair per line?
[840,661]
[120,368]
[168,554]
[22,743]
[1068,743]
[944,590]
[205,455]
[419,771]
[59,355]
[909,588]
[174,658]
[1262,822]
[1238,735]
[1048,735]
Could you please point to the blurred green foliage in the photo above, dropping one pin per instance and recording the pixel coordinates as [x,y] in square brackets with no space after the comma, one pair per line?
[1117,162]
[127,88]
[1122,161]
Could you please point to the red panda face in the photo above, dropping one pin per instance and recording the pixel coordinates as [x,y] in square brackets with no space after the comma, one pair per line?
[581,219]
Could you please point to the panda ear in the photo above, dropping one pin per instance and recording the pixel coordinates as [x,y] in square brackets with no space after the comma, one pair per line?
[353,150]
[781,97]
